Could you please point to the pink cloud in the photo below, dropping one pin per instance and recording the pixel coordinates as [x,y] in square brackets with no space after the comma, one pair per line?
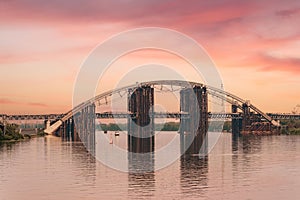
[141,12]
[288,12]
[37,104]
[7,101]
[285,64]
[34,104]
[236,33]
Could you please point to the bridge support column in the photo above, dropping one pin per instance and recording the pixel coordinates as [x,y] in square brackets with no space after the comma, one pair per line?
[47,123]
[69,130]
[193,130]
[68,124]
[246,121]
[65,130]
[141,123]
[72,127]
[84,128]
[236,122]
[77,125]
[62,131]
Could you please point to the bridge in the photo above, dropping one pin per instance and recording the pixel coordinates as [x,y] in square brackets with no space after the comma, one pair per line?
[79,123]
[124,115]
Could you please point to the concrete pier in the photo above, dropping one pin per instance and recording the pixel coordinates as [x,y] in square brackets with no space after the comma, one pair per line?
[85,127]
[246,122]
[193,130]
[236,122]
[141,123]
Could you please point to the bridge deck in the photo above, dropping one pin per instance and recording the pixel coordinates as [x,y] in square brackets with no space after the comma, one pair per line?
[175,115]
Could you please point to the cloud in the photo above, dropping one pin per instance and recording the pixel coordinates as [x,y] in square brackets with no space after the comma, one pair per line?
[10,102]
[37,104]
[270,63]
[138,12]
[284,64]
[47,36]
[288,12]
[7,101]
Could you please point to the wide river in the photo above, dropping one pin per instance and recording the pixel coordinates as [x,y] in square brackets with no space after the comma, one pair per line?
[249,168]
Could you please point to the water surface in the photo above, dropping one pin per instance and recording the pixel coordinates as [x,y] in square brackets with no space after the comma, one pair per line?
[248,168]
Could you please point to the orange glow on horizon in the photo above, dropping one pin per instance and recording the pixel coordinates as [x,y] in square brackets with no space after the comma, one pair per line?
[254,44]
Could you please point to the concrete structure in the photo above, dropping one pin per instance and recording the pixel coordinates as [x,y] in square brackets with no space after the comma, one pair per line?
[193,130]
[84,128]
[236,123]
[141,123]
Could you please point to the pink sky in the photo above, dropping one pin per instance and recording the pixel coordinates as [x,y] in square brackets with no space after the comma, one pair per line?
[255,45]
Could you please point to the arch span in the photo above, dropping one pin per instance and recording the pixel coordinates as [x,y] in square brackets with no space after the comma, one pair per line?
[216,92]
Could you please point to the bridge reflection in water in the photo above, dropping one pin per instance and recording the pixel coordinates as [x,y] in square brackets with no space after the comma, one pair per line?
[193,176]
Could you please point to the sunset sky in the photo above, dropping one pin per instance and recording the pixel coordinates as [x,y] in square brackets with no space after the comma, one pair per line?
[254,44]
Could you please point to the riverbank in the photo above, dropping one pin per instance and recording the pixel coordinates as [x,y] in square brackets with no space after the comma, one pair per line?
[293,131]
[290,127]
[12,134]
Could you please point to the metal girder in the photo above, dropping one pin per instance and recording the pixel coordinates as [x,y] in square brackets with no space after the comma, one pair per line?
[184,84]
[174,115]
[34,117]
[284,116]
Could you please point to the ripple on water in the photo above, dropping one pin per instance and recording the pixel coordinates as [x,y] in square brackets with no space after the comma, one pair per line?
[248,168]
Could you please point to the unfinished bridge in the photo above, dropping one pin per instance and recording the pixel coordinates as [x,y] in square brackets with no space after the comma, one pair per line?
[79,123]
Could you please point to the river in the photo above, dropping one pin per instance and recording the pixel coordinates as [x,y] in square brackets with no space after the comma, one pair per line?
[248,168]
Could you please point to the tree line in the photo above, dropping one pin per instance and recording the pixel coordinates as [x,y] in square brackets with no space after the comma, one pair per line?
[10,132]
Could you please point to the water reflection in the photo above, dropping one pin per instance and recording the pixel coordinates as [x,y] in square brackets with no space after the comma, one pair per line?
[84,160]
[74,156]
[6,147]
[141,176]
[141,184]
[193,175]
[246,152]
[235,144]
[251,144]
[47,168]
[140,162]
[11,146]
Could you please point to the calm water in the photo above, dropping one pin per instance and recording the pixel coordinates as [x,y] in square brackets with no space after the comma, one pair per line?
[252,168]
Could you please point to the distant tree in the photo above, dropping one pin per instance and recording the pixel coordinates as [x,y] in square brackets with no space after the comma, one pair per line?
[11,133]
[113,127]
[171,126]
